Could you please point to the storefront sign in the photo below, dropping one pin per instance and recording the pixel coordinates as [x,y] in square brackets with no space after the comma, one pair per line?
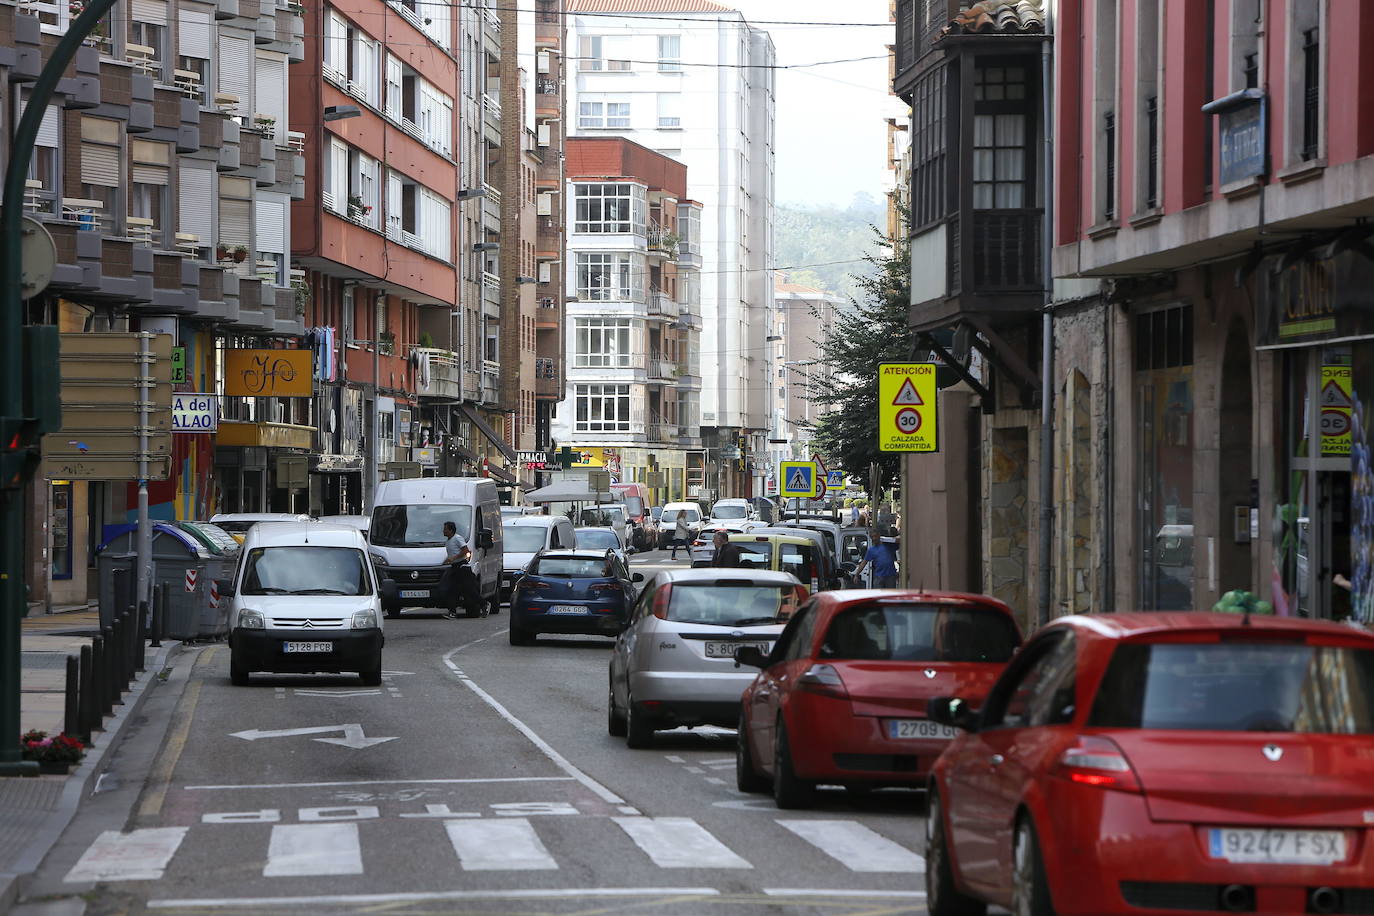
[178,365]
[268,373]
[593,456]
[1337,407]
[1242,142]
[1313,300]
[194,413]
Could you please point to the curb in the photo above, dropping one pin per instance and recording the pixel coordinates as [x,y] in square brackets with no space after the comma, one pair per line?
[78,783]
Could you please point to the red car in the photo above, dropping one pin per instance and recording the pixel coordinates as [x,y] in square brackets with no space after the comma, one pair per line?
[1165,763]
[842,696]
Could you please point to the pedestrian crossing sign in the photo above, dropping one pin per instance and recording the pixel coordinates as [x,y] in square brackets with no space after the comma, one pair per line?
[798,478]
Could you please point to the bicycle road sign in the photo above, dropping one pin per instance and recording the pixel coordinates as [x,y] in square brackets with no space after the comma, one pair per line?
[907,418]
[797,478]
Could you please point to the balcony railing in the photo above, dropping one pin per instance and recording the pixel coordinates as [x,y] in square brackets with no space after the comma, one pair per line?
[439,374]
[661,305]
[1006,249]
[660,368]
[491,382]
[661,240]
[87,214]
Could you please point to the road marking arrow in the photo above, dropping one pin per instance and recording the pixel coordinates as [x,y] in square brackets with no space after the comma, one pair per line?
[353,735]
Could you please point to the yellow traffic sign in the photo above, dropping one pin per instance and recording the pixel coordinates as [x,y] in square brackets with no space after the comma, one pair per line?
[907,419]
[797,478]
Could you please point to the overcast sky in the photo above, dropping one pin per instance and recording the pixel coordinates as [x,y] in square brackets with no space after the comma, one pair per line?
[831,137]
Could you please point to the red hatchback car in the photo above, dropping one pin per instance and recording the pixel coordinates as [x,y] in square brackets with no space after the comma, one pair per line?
[1166,763]
[842,696]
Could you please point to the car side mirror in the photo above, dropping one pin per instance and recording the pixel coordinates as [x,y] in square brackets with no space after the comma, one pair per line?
[485,539]
[637,577]
[752,656]
[952,711]
[388,589]
[630,550]
[226,587]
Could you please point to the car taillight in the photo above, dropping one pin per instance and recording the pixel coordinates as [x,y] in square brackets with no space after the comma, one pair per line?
[661,599]
[1096,761]
[527,585]
[824,680]
[606,587]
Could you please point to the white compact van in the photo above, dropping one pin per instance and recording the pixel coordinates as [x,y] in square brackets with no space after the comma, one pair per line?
[526,535]
[305,598]
[407,536]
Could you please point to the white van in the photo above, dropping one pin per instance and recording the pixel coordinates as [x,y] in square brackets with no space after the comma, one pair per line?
[407,536]
[526,535]
[238,523]
[305,598]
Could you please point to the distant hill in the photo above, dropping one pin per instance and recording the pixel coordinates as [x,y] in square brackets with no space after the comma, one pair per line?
[820,236]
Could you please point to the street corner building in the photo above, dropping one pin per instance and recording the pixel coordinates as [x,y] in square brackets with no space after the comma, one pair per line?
[1185,191]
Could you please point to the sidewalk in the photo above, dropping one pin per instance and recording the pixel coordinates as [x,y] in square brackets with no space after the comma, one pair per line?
[34,811]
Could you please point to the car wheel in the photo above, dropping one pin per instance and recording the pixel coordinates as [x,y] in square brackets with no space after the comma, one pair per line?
[747,777]
[788,790]
[521,637]
[615,722]
[639,731]
[372,675]
[942,897]
[1030,893]
[238,674]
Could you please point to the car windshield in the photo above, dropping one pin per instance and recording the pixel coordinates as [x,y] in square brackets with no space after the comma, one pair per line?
[1238,687]
[729,605]
[729,512]
[571,567]
[524,538]
[593,517]
[598,537]
[799,560]
[303,570]
[420,525]
[670,515]
[920,632]
[634,505]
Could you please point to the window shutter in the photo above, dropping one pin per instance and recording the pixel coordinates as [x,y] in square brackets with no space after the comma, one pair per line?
[338,175]
[50,128]
[149,174]
[545,203]
[236,69]
[393,205]
[271,98]
[542,61]
[100,165]
[543,135]
[196,212]
[149,11]
[393,87]
[235,221]
[270,221]
[545,272]
[194,26]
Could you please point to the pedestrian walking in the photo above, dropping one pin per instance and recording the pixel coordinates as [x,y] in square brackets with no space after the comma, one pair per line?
[459,584]
[726,554]
[682,533]
[882,553]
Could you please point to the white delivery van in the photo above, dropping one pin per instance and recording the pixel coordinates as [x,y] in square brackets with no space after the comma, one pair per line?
[525,536]
[304,598]
[407,536]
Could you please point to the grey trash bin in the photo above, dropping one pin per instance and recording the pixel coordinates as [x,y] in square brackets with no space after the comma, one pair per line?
[222,553]
[179,561]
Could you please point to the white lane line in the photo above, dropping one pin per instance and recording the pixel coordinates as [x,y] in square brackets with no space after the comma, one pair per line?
[139,855]
[679,842]
[390,782]
[506,845]
[697,770]
[827,892]
[856,847]
[313,849]
[715,780]
[628,809]
[414,897]
[558,759]
[673,758]
[718,762]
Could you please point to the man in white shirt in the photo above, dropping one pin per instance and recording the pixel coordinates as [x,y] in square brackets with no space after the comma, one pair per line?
[457,577]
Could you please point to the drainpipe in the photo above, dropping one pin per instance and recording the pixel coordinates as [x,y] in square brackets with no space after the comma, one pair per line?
[1046,563]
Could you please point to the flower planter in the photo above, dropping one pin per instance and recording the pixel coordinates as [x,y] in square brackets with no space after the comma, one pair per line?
[53,768]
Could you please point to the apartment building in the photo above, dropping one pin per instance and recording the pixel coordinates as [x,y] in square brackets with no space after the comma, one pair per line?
[692,80]
[164,172]
[803,320]
[634,378]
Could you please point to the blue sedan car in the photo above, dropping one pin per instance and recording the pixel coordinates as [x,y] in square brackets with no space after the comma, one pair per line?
[572,591]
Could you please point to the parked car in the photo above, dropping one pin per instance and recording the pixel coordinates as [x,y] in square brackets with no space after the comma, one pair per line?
[841,698]
[304,598]
[799,556]
[572,591]
[361,522]
[833,533]
[238,523]
[832,575]
[527,535]
[732,515]
[1160,763]
[602,539]
[675,663]
[643,524]
[609,515]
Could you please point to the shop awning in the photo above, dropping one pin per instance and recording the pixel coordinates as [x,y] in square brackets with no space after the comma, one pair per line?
[471,413]
[500,476]
[568,491]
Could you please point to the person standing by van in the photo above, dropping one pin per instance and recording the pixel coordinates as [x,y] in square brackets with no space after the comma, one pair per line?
[682,535]
[458,579]
[883,555]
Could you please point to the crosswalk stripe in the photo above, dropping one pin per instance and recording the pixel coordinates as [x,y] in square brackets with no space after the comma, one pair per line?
[679,842]
[139,855]
[509,844]
[855,846]
[313,849]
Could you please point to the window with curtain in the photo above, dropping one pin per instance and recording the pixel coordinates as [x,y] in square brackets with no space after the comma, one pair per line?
[271,94]
[150,175]
[669,110]
[606,277]
[193,48]
[196,204]
[101,171]
[602,408]
[335,197]
[609,207]
[602,343]
[271,224]
[590,114]
[236,217]
[46,160]
[236,69]
[669,53]
[589,52]
[999,139]
[148,29]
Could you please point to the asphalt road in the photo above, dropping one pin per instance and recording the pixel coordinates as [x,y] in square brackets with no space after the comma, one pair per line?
[478,778]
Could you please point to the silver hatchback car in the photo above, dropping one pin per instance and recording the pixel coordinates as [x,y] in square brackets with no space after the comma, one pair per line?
[674,664]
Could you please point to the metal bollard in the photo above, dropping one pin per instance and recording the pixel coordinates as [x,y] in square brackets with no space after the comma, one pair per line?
[71,722]
[155,624]
[90,713]
[100,680]
[112,637]
[140,631]
[130,638]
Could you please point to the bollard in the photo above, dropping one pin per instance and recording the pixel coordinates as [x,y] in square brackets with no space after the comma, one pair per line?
[112,635]
[140,629]
[71,723]
[130,635]
[155,624]
[100,680]
[90,715]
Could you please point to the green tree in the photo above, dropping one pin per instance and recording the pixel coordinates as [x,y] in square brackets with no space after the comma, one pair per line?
[870,331]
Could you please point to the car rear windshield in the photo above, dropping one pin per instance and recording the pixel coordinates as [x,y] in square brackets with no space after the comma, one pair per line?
[920,632]
[799,560]
[1238,687]
[524,538]
[670,515]
[306,571]
[729,605]
[634,505]
[571,567]
[597,537]
[729,512]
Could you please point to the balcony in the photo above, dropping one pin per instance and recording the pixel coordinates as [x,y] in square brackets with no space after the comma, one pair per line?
[491,209]
[491,294]
[1006,250]
[663,242]
[660,369]
[661,305]
[491,382]
[491,119]
[444,381]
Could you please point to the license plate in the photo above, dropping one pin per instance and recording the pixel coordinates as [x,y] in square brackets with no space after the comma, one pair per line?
[728,649]
[414,593]
[567,609]
[1277,847]
[307,647]
[919,728]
